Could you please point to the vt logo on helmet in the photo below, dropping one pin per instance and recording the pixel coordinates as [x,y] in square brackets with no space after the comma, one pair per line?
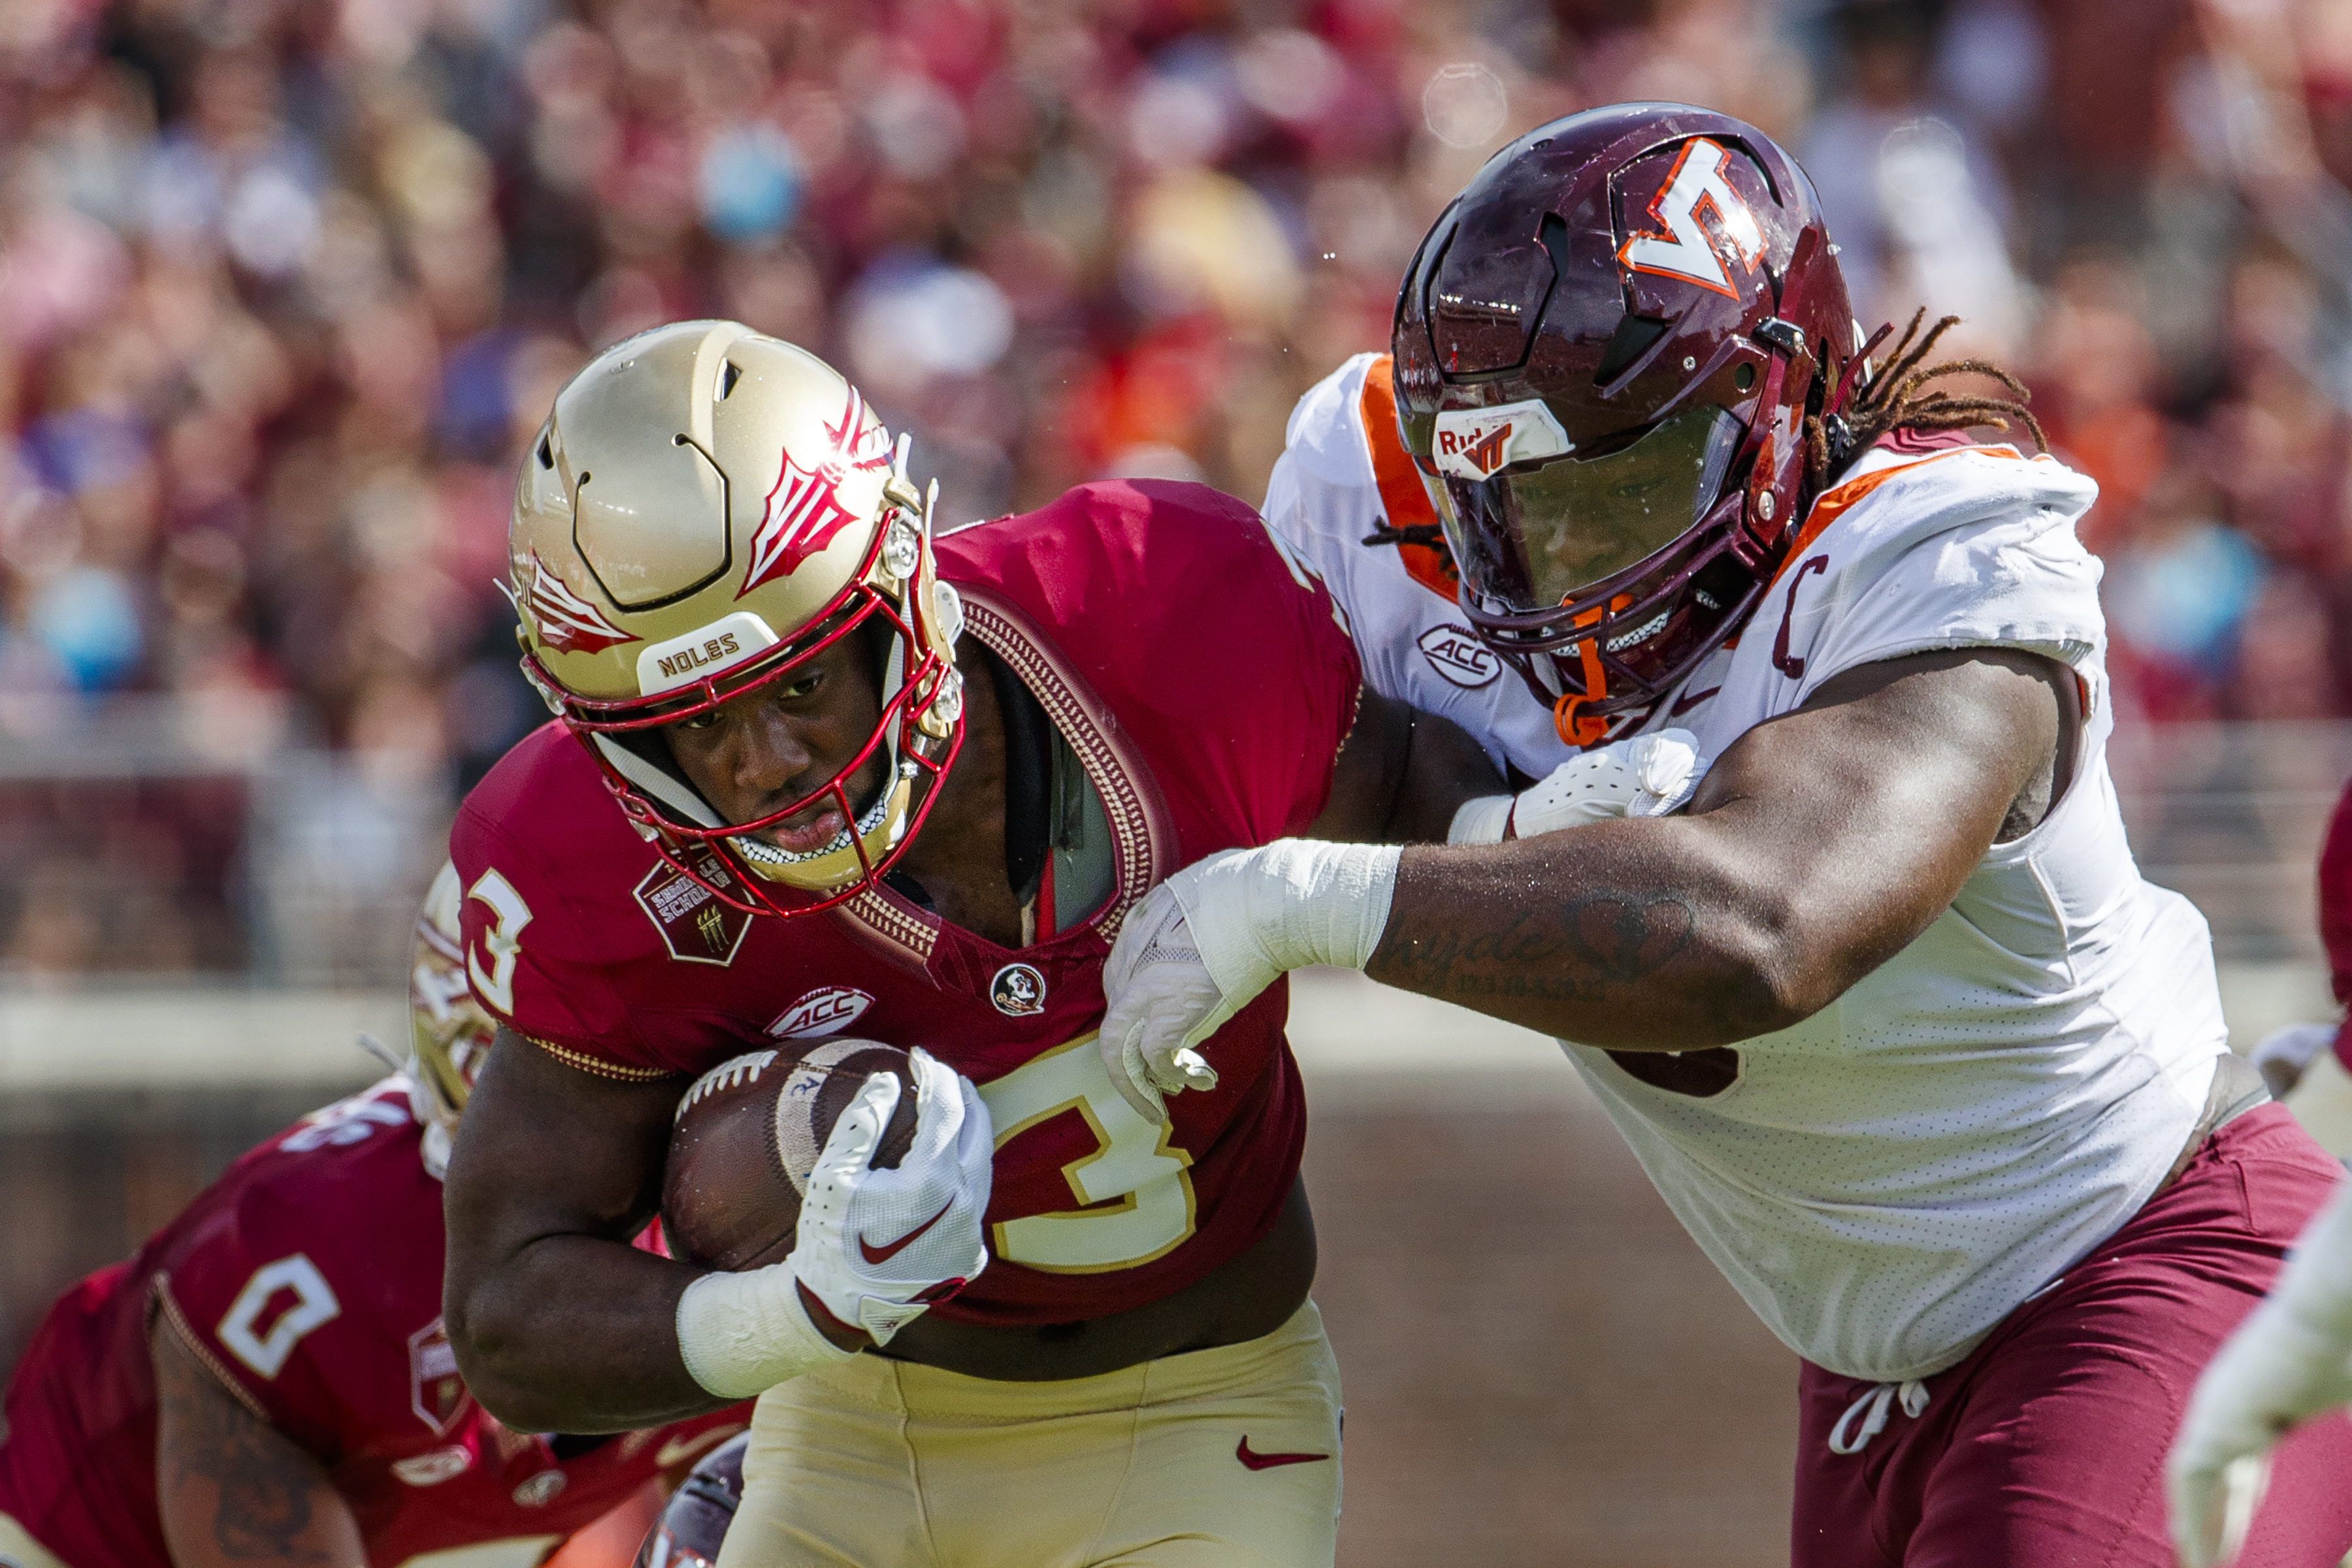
[1607,352]
[708,510]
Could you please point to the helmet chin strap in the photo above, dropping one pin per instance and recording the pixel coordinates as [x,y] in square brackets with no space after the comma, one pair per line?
[657,782]
[1586,729]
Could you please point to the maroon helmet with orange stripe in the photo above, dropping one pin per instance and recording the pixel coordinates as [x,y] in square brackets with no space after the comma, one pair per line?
[1607,353]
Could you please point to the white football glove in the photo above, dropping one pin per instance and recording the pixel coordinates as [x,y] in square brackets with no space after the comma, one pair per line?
[875,1247]
[1202,945]
[1143,1053]
[2286,1054]
[1648,775]
[2290,1360]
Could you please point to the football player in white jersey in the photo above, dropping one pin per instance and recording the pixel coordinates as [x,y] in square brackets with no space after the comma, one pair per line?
[1886,1011]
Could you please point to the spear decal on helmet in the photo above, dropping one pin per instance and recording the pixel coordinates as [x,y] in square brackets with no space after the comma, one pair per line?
[804,511]
[566,622]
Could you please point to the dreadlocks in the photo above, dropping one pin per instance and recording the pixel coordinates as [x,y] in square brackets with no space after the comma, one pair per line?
[1893,400]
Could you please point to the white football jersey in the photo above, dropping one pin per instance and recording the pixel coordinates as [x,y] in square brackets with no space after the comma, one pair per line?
[1887,1181]
[1333,486]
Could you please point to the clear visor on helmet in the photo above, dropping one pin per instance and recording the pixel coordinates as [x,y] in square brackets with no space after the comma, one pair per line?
[1535,536]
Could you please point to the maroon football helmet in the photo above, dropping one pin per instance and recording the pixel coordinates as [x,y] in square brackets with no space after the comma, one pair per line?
[1606,350]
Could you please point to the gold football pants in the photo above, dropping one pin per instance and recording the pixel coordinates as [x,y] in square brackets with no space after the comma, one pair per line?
[19,1550]
[1220,1457]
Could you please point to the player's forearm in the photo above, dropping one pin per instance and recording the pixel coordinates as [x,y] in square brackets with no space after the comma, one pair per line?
[1636,935]
[232,1491]
[1819,847]
[242,1513]
[1400,776]
[573,1333]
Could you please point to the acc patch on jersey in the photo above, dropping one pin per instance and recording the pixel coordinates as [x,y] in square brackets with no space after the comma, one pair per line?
[1456,654]
[825,1011]
[696,927]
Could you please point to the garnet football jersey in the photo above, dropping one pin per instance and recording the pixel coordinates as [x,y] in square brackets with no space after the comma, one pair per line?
[1203,680]
[308,1279]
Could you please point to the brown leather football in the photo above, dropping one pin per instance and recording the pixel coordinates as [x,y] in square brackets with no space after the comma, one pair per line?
[746,1136]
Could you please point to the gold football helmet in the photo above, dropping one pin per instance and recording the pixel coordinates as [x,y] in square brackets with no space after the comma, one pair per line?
[449,1035]
[706,508]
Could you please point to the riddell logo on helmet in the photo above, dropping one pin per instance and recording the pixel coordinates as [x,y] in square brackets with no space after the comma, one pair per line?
[1479,442]
[1480,451]
[1685,245]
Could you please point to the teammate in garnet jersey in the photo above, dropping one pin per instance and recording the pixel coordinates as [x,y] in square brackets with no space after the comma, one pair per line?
[1887,1013]
[804,785]
[268,1380]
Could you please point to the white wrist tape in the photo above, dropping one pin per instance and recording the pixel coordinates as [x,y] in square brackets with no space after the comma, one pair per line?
[1259,913]
[741,1334]
[1481,820]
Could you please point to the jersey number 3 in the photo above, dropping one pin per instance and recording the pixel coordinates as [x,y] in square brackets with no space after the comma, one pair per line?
[1133,1195]
[502,943]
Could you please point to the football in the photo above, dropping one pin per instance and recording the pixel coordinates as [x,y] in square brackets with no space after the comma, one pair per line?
[746,1136]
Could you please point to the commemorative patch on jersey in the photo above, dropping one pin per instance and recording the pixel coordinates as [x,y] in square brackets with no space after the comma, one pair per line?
[825,1011]
[696,927]
[1457,656]
[436,1393]
[1018,991]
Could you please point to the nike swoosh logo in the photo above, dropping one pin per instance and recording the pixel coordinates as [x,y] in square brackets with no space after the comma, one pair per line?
[1268,1462]
[679,1449]
[1684,704]
[877,1255]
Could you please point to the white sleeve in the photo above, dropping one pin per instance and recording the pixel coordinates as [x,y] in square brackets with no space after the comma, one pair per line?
[1980,554]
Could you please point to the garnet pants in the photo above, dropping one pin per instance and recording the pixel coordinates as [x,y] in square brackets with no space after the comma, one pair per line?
[2045,1448]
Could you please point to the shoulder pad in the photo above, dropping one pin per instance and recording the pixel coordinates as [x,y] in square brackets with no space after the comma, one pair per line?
[1325,433]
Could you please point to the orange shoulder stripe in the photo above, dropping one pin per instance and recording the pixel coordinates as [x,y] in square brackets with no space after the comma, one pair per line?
[1402,495]
[1834,503]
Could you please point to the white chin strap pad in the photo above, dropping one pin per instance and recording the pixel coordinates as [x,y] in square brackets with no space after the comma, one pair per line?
[657,783]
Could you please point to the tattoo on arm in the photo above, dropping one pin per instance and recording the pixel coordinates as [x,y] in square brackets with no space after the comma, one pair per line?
[1584,945]
[1603,948]
[269,1502]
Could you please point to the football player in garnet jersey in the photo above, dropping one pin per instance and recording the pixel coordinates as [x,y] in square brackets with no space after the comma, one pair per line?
[1887,1013]
[268,1380]
[806,782]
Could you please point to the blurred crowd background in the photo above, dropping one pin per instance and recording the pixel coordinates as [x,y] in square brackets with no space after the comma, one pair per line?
[286,285]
